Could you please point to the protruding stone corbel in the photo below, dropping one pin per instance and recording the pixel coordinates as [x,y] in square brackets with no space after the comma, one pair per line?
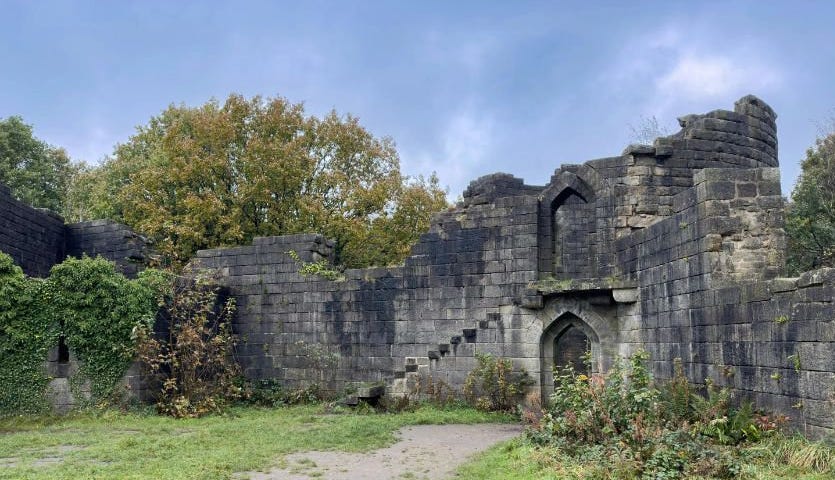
[625,295]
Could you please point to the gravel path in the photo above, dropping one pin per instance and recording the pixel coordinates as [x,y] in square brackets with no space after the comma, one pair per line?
[423,452]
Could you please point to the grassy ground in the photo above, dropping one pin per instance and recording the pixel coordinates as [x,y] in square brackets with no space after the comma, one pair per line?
[519,460]
[117,445]
[125,446]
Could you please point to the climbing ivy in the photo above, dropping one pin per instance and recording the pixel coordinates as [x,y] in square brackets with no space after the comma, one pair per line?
[26,335]
[87,301]
[98,309]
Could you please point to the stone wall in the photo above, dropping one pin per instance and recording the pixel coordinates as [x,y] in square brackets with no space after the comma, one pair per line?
[675,248]
[37,239]
[111,240]
[711,296]
[33,237]
[461,286]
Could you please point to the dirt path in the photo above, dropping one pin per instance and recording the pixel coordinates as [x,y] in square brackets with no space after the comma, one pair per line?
[423,452]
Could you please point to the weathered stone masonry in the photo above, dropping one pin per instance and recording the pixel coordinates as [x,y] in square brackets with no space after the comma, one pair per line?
[676,248]
[37,239]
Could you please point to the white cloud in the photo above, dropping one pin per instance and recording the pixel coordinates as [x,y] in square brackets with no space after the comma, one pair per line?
[466,141]
[669,70]
[705,76]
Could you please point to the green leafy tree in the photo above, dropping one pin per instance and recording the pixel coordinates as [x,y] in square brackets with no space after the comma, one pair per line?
[810,218]
[37,173]
[221,174]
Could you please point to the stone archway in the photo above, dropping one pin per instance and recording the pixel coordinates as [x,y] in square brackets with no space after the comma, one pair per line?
[570,350]
[565,342]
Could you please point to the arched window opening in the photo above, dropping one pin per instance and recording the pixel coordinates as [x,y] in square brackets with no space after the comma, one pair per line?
[573,242]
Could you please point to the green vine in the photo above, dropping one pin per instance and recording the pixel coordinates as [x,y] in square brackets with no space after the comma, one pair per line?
[26,335]
[98,309]
[94,307]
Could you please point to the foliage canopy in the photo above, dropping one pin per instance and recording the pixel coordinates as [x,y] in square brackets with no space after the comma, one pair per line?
[810,219]
[221,174]
[37,173]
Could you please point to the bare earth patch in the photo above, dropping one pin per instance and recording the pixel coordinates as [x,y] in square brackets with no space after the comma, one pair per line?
[423,452]
[47,456]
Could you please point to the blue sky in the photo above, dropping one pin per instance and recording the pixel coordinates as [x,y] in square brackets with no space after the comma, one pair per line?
[464,88]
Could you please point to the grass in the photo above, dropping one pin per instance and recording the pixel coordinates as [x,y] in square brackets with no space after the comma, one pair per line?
[776,458]
[137,446]
[117,445]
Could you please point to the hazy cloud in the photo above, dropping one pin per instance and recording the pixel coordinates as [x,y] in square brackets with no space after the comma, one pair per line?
[686,70]
[704,77]
[466,141]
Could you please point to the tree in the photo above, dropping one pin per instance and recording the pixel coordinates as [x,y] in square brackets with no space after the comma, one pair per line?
[37,173]
[221,174]
[810,217]
[647,130]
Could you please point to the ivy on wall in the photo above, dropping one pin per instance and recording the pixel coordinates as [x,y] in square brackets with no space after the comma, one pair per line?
[99,309]
[26,335]
[87,301]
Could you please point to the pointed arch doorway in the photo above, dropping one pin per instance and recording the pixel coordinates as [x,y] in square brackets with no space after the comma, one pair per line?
[566,342]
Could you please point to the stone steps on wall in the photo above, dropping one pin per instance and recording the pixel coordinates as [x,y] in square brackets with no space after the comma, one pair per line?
[407,379]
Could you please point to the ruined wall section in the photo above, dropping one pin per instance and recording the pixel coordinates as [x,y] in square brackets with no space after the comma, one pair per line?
[37,239]
[33,237]
[111,240]
[666,261]
[645,179]
[459,291]
[773,342]
[710,295]
[631,192]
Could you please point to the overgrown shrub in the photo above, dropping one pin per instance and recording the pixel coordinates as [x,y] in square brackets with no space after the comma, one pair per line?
[263,393]
[193,359]
[624,421]
[493,385]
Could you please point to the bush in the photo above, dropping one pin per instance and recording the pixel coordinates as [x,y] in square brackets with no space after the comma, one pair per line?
[263,393]
[624,421]
[193,359]
[493,385]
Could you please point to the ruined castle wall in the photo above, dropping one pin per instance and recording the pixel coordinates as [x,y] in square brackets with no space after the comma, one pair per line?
[711,296]
[461,287]
[645,179]
[33,237]
[37,239]
[774,343]
[111,240]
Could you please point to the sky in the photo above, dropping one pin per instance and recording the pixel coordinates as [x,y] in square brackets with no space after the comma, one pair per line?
[463,88]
